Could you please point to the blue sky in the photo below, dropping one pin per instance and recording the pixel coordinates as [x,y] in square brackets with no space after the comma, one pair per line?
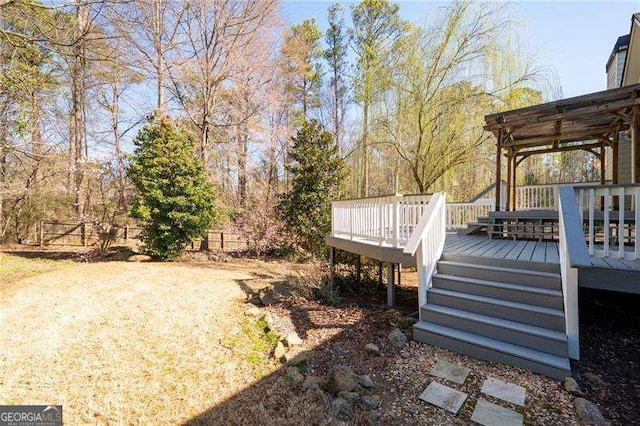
[575,38]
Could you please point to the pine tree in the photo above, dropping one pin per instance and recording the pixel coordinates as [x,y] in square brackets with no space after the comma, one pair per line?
[175,199]
[317,175]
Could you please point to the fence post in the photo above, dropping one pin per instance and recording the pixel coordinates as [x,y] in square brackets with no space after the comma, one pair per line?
[222,241]
[83,230]
[42,233]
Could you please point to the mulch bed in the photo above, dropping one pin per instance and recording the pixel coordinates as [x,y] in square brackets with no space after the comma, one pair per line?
[609,369]
[338,336]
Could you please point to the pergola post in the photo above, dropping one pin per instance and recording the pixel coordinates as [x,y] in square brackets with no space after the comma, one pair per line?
[603,168]
[514,168]
[509,158]
[614,156]
[635,144]
[498,169]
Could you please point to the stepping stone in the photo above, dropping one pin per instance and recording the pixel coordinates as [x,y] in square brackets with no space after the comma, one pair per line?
[488,414]
[505,391]
[453,372]
[444,397]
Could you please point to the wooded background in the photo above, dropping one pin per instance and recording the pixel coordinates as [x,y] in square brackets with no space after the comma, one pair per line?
[404,101]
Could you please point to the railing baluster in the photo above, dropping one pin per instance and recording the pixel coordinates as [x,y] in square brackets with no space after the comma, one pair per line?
[621,225]
[607,229]
[636,224]
[592,229]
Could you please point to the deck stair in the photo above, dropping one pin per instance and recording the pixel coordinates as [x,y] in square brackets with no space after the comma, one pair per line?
[477,227]
[500,310]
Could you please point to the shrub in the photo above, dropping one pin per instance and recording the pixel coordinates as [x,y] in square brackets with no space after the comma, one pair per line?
[317,175]
[175,201]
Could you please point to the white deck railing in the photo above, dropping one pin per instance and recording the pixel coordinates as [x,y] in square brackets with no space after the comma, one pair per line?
[460,214]
[573,254]
[386,220]
[541,197]
[427,243]
[611,215]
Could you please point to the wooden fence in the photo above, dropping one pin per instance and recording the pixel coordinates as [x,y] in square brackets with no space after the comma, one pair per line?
[88,234]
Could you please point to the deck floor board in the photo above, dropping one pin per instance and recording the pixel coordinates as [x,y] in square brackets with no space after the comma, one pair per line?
[524,250]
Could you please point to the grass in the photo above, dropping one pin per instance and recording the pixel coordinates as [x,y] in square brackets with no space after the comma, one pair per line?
[127,343]
[13,268]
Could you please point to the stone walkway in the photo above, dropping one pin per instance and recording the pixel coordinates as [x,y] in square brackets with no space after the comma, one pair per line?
[485,413]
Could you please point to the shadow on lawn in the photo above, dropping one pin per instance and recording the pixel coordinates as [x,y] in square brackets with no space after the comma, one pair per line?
[333,335]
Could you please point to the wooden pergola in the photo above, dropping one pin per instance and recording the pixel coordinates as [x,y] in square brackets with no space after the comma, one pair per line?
[589,122]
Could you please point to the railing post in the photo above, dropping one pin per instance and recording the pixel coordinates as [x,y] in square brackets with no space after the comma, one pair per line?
[396,221]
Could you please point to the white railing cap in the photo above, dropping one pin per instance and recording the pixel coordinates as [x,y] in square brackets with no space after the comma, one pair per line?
[428,216]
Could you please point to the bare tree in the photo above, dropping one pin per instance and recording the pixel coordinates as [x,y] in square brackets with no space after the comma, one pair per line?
[216,34]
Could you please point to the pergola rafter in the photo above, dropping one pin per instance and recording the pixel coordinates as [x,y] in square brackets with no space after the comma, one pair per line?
[588,122]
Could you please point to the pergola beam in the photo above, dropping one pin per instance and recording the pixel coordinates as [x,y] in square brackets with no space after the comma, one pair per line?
[616,108]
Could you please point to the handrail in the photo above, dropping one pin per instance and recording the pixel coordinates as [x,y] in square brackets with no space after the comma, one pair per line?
[573,254]
[485,191]
[426,220]
[573,233]
[427,243]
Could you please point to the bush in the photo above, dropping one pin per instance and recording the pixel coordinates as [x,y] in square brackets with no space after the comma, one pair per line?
[175,201]
[317,175]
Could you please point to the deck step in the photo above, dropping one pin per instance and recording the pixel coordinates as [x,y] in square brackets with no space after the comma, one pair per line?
[499,290]
[504,263]
[538,338]
[547,280]
[528,314]
[489,349]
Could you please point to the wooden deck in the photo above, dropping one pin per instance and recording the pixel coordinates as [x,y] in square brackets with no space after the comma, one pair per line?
[524,250]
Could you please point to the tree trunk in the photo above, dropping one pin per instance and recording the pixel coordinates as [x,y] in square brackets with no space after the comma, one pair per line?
[77,145]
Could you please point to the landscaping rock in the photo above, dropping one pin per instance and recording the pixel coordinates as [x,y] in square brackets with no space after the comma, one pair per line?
[373,417]
[253,312]
[294,375]
[267,298]
[371,401]
[349,396]
[279,351]
[342,378]
[372,349]
[298,356]
[281,326]
[139,258]
[572,387]
[397,338]
[342,409]
[322,396]
[293,339]
[365,381]
[589,412]
[310,383]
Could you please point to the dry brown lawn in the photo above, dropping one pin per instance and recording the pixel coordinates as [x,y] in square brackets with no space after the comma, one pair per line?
[123,343]
[154,343]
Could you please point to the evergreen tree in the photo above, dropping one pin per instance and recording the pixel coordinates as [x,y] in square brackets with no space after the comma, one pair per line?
[175,200]
[335,54]
[317,175]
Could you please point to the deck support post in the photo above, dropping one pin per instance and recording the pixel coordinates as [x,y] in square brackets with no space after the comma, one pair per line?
[390,284]
[498,169]
[399,274]
[332,266]
[380,282]
[614,165]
